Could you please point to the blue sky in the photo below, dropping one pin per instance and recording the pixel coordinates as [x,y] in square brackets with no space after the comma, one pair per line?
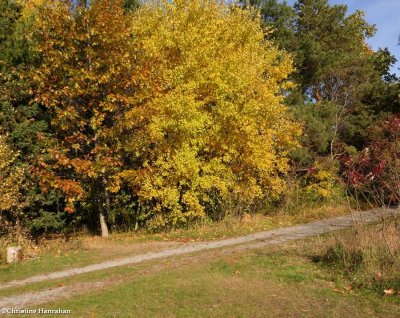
[385,14]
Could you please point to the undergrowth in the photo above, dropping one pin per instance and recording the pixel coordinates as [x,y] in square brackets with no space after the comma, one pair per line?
[367,257]
[205,230]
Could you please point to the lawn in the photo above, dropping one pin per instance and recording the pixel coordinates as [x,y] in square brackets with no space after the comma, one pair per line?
[54,255]
[282,281]
[273,282]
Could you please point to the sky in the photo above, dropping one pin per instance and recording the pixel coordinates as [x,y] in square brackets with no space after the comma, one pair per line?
[385,14]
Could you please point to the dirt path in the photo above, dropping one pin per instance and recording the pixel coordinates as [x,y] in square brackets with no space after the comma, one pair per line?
[251,241]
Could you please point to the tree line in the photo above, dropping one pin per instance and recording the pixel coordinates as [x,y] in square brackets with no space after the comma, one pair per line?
[161,114]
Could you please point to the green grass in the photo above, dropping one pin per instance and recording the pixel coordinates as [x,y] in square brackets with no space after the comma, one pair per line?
[88,250]
[44,264]
[274,283]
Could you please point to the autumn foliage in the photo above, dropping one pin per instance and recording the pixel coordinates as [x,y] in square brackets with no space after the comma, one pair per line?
[85,80]
[11,178]
[177,103]
[159,115]
[209,122]
[374,172]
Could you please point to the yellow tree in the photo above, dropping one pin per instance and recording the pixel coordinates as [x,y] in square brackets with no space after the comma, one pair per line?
[84,78]
[209,124]
[11,182]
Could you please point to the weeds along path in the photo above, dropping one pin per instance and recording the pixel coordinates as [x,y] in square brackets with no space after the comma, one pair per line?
[256,240]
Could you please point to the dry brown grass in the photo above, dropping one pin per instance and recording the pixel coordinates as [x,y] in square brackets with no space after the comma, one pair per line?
[121,244]
[368,256]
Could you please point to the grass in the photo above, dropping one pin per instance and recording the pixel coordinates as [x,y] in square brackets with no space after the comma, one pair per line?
[45,263]
[59,254]
[275,282]
[368,256]
[90,250]
[281,281]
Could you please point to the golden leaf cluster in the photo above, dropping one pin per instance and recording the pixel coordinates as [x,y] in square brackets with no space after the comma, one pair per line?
[211,120]
[181,101]
[11,179]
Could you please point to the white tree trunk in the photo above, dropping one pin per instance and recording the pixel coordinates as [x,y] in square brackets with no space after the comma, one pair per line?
[103,225]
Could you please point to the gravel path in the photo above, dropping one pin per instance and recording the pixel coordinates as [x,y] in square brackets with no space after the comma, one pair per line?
[255,240]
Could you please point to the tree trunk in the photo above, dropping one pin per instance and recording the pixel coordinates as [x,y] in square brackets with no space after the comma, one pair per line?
[103,203]
[137,216]
[103,225]
[107,205]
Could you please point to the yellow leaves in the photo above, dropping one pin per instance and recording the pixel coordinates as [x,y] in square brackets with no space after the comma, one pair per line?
[115,184]
[211,116]
[191,103]
[11,179]
[84,77]
[322,181]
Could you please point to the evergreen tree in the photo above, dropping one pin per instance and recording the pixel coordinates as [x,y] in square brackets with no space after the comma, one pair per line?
[336,73]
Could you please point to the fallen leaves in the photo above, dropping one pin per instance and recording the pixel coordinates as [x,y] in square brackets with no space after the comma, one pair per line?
[378,276]
[350,289]
[389,292]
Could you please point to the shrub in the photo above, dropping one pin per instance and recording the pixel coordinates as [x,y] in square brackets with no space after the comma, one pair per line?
[375,171]
[210,130]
